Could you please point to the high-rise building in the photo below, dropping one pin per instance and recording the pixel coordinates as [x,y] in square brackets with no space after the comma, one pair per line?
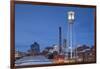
[64,47]
[60,40]
[35,48]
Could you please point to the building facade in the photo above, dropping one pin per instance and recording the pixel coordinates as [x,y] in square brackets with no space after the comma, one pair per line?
[35,48]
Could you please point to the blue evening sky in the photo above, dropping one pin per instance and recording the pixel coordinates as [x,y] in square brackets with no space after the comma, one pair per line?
[40,23]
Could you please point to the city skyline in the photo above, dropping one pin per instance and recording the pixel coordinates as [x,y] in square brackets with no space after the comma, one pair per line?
[40,23]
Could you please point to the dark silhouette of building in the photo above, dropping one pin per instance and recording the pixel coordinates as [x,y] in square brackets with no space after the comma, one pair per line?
[35,48]
[64,46]
[60,40]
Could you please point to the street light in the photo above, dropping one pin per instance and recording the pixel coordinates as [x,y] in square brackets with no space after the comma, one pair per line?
[71,18]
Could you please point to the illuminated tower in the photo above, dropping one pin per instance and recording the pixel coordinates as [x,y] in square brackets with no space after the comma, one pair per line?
[71,18]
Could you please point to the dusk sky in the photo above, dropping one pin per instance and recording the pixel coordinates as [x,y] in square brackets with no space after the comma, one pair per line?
[40,23]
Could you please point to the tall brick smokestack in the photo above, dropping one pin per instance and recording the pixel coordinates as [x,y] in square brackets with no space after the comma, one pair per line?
[60,40]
